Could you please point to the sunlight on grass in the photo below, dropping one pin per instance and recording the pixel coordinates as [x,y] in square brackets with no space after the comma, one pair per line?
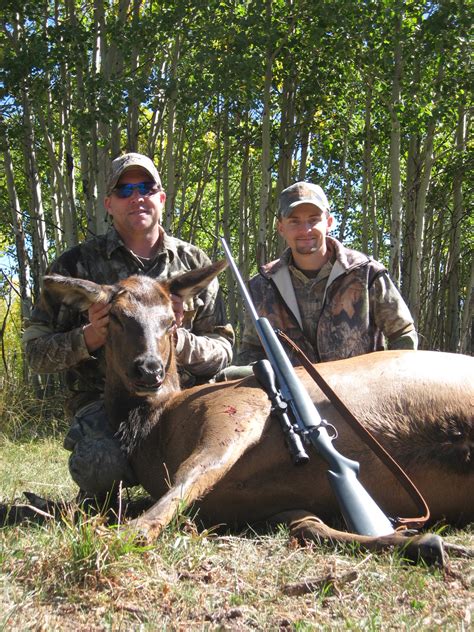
[38,466]
[79,572]
[215,581]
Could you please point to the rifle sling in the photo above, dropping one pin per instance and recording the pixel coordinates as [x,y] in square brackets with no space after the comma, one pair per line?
[367,437]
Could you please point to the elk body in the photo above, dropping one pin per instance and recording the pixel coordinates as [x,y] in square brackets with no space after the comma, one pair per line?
[217,445]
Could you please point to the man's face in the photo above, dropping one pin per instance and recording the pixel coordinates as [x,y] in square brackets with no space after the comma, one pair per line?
[305,229]
[137,214]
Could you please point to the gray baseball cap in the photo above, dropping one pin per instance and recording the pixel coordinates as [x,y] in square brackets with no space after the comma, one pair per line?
[302,193]
[127,161]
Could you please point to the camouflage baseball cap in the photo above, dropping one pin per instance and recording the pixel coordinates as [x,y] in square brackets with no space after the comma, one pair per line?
[127,161]
[302,193]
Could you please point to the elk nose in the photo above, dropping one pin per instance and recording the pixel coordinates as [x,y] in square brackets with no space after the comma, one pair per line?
[149,370]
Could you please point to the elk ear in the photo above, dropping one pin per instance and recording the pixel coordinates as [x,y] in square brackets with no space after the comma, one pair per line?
[78,293]
[192,282]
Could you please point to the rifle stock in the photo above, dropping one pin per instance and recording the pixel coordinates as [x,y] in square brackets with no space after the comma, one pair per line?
[360,512]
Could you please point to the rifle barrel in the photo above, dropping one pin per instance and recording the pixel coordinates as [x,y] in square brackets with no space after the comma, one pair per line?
[243,288]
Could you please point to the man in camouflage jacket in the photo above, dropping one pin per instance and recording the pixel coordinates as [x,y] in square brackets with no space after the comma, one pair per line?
[333,302]
[59,338]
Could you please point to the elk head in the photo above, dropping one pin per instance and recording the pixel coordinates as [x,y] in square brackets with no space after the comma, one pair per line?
[140,347]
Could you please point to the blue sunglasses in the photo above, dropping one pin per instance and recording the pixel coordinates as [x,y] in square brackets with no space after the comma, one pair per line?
[143,188]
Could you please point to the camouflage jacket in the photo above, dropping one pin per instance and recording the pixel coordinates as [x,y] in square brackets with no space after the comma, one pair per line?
[54,340]
[360,310]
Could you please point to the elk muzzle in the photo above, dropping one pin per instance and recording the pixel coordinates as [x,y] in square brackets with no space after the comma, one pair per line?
[147,374]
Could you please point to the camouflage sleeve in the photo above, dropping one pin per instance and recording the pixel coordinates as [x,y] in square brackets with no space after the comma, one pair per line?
[53,339]
[204,342]
[48,352]
[392,315]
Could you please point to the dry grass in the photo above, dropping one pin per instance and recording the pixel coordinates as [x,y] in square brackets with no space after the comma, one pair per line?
[65,576]
[82,575]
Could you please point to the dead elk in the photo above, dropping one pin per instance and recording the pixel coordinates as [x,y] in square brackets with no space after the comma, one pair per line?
[216,445]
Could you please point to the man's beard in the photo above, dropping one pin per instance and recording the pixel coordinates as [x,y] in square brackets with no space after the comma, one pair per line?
[307,249]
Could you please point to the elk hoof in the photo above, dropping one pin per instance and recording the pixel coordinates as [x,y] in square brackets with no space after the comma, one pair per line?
[143,530]
[308,529]
[139,532]
[427,548]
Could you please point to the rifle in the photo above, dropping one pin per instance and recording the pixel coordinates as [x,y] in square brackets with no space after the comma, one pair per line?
[360,512]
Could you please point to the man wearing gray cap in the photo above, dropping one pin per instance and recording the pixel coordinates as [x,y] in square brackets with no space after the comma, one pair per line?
[59,338]
[332,301]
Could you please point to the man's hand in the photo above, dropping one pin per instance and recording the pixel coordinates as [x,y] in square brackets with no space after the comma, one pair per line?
[178,309]
[95,332]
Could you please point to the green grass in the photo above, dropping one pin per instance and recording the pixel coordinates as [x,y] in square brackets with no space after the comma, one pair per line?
[78,573]
[36,465]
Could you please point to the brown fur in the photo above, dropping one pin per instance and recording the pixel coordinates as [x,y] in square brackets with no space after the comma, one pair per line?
[217,446]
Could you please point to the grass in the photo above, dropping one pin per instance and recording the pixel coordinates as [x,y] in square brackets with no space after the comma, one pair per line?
[79,573]
[76,573]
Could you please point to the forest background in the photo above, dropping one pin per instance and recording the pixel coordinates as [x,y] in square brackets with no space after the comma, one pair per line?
[235,100]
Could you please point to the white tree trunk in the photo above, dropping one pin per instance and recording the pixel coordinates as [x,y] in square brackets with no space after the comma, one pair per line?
[20,244]
[453,301]
[417,219]
[395,145]
[170,138]
[38,221]
[265,169]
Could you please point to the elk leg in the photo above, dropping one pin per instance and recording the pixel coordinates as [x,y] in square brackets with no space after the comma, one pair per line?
[193,480]
[304,526]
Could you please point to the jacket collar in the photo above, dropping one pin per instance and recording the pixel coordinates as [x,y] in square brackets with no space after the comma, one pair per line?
[345,260]
[114,241]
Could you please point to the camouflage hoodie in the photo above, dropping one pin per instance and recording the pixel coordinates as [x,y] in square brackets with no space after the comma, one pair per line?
[360,309]
[54,340]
